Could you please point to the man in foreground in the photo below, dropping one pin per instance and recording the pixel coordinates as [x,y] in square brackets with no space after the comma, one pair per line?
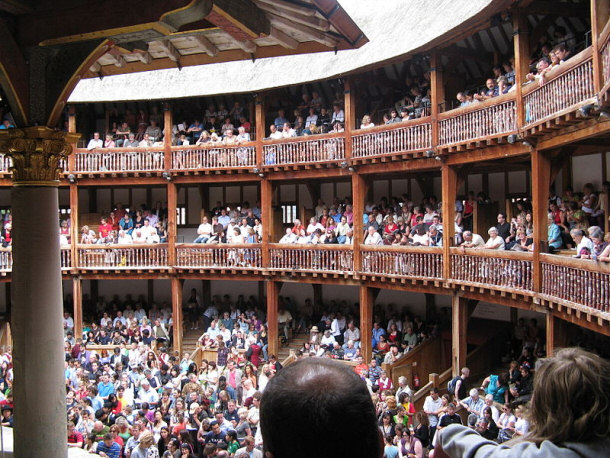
[309,409]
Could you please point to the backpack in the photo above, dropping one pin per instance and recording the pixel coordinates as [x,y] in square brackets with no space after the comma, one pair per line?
[452,383]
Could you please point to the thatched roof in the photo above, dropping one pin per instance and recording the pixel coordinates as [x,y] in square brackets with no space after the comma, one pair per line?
[395,28]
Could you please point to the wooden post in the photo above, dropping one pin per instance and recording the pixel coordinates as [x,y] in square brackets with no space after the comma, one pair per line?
[449,184]
[437,92]
[167,137]
[556,334]
[77,295]
[74,231]
[599,16]
[273,291]
[541,180]
[522,56]
[259,109]
[359,190]
[350,116]
[266,220]
[177,312]
[367,301]
[172,226]
[459,329]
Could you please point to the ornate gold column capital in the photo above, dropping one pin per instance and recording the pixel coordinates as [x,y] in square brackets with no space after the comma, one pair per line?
[37,154]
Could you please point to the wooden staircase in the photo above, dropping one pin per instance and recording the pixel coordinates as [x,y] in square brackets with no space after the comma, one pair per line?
[294,344]
[189,340]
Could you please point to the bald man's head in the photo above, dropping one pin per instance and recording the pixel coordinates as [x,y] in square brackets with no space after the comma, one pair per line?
[319,407]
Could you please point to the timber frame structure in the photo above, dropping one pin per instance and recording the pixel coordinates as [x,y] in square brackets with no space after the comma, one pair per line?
[520,125]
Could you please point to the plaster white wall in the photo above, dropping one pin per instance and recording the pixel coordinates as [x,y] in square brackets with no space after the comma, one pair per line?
[587,169]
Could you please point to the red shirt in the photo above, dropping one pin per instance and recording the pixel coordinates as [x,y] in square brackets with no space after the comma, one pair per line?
[75,437]
[104,229]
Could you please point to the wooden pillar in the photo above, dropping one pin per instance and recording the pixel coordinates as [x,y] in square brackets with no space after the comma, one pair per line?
[541,180]
[259,122]
[167,137]
[267,220]
[522,56]
[449,185]
[273,290]
[437,92]
[350,116]
[459,330]
[74,228]
[556,334]
[77,295]
[367,301]
[359,190]
[177,312]
[600,10]
[172,226]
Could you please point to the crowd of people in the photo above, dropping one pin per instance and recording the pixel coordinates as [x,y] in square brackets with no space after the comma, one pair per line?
[143,225]
[217,126]
[238,225]
[543,61]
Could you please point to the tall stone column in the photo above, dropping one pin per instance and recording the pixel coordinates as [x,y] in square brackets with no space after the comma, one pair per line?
[38,356]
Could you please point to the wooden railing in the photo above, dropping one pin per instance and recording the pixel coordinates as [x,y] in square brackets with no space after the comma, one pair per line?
[300,150]
[569,85]
[576,281]
[498,268]
[218,256]
[324,258]
[122,257]
[5,163]
[491,118]
[66,257]
[393,138]
[119,160]
[604,44]
[421,262]
[6,260]
[213,157]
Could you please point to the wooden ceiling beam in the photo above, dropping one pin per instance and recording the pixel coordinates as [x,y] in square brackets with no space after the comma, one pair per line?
[206,45]
[307,20]
[144,57]
[169,49]
[286,26]
[282,38]
[117,59]
[247,46]
[300,9]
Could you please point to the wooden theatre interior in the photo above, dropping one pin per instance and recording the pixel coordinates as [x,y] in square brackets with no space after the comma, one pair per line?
[520,146]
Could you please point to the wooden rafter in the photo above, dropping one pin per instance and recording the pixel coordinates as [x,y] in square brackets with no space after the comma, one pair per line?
[206,45]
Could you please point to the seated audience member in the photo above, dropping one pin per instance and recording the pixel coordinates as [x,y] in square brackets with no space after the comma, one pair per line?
[474,405]
[569,414]
[373,237]
[554,235]
[95,142]
[495,242]
[472,240]
[109,142]
[584,246]
[293,425]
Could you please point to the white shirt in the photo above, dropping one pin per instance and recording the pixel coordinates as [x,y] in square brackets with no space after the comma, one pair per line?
[276,135]
[93,143]
[430,405]
[373,239]
[204,229]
